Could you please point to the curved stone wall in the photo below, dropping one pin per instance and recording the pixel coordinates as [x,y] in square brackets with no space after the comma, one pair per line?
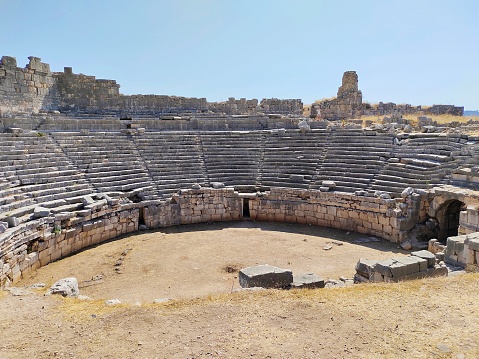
[64,191]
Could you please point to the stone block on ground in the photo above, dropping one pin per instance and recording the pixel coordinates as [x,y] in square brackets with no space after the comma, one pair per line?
[217,185]
[265,276]
[430,257]
[66,287]
[366,267]
[309,280]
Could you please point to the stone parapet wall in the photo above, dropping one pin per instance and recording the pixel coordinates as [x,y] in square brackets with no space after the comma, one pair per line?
[36,243]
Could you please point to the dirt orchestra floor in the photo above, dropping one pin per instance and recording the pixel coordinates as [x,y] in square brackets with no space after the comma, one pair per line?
[197,266]
[199,260]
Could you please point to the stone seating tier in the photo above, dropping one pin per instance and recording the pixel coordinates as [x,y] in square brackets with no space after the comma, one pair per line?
[159,164]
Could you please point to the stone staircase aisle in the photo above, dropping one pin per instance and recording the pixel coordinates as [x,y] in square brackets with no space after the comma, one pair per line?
[353,160]
[233,157]
[173,159]
[291,158]
[109,160]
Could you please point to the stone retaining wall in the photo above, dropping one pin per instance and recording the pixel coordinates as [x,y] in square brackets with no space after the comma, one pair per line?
[195,206]
[390,219]
[38,242]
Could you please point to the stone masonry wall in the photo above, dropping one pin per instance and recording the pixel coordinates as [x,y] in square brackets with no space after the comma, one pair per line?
[26,90]
[195,206]
[391,219]
[36,243]
[347,104]
[35,88]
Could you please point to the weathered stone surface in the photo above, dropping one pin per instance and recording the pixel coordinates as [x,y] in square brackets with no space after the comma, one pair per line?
[66,287]
[217,185]
[309,280]
[430,257]
[13,221]
[40,212]
[329,184]
[366,267]
[265,276]
[303,126]
[406,245]
[407,192]
[3,226]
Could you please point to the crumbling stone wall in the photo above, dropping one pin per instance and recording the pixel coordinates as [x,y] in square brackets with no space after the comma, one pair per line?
[26,90]
[347,104]
[283,107]
[35,88]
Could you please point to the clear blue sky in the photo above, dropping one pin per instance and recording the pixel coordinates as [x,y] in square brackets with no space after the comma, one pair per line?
[421,52]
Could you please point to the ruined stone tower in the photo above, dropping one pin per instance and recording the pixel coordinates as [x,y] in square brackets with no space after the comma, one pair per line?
[348,103]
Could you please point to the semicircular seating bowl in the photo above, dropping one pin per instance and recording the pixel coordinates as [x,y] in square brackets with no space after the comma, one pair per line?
[96,185]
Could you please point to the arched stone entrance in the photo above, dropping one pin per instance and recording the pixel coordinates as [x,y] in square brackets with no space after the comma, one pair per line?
[448,217]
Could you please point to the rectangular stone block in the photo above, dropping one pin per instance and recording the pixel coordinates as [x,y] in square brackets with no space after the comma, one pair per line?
[384,267]
[265,276]
[366,267]
[412,263]
[430,257]
[309,280]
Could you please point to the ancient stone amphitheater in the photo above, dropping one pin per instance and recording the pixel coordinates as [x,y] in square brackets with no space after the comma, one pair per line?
[81,164]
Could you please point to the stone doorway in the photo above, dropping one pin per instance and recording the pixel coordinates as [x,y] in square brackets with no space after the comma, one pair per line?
[246,208]
[448,217]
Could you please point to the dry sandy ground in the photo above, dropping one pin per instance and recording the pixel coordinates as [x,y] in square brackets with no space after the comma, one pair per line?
[434,318]
[195,261]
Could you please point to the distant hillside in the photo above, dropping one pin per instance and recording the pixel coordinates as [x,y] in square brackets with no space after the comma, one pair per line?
[471,113]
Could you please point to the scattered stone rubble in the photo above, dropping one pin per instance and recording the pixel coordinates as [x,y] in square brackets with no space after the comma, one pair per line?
[419,264]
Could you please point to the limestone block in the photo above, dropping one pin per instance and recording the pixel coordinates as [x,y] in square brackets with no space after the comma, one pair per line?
[473,243]
[428,256]
[265,276]
[13,221]
[66,287]
[309,280]
[414,264]
[384,267]
[366,267]
[40,212]
[407,192]
[3,226]
[329,184]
